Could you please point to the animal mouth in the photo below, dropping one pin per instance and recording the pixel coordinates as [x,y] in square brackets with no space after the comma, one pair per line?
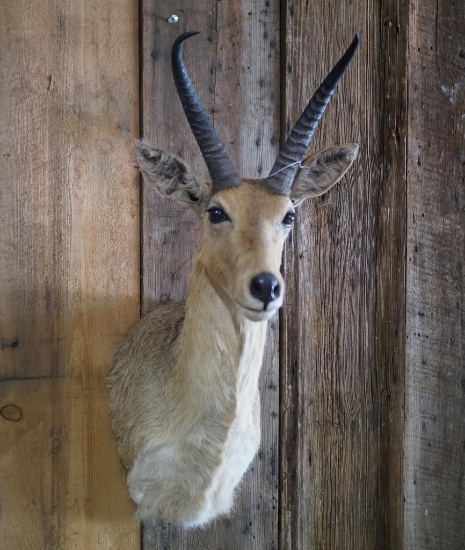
[255,310]
[264,309]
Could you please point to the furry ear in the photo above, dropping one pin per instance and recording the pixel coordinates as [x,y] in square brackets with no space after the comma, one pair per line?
[322,170]
[171,176]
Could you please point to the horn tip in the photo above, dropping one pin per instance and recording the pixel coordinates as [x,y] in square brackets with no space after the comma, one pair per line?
[346,58]
[177,44]
[186,35]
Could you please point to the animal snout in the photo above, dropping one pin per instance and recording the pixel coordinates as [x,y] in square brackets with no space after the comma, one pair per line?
[265,287]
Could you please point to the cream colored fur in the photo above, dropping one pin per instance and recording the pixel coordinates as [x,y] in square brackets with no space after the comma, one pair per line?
[184,387]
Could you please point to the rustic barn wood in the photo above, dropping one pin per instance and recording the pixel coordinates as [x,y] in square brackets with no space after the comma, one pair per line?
[435,375]
[234,65]
[363,384]
[343,324]
[69,280]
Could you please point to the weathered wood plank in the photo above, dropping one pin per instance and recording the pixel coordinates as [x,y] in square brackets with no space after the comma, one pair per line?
[343,326]
[69,274]
[435,398]
[235,67]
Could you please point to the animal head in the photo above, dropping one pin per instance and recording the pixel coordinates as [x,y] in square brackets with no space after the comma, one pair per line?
[245,222]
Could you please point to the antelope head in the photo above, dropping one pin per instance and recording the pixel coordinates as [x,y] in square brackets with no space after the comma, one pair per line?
[245,222]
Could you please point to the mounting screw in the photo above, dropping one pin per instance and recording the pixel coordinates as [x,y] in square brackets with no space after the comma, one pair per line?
[173,19]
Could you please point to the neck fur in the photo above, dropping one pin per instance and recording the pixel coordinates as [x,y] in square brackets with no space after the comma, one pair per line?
[220,351]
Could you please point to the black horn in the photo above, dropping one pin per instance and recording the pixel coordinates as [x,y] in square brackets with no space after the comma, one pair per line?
[287,164]
[219,165]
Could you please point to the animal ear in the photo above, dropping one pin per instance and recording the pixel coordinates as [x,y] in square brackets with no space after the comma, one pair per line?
[322,170]
[171,176]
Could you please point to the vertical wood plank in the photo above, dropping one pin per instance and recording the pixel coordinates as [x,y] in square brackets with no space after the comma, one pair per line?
[234,65]
[343,326]
[69,273]
[435,399]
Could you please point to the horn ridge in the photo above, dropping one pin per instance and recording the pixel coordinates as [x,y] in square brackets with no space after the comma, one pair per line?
[282,175]
[219,165]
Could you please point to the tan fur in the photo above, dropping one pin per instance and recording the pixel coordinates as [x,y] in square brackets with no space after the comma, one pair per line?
[184,388]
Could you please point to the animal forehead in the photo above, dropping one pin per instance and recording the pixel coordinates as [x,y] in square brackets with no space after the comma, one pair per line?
[250,198]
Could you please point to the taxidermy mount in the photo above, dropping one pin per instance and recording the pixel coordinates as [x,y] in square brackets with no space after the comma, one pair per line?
[184,396]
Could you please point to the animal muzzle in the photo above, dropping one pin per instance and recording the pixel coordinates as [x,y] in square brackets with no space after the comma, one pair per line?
[266,288]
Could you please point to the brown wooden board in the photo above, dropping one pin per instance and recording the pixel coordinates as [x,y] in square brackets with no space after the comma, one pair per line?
[435,398]
[343,324]
[69,274]
[234,65]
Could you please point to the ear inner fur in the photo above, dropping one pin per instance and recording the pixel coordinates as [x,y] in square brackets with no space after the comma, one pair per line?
[323,170]
[171,176]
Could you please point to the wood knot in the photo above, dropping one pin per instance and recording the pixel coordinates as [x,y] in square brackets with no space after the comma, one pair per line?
[11,413]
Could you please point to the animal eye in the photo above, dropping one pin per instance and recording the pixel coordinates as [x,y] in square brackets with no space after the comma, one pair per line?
[217,215]
[288,219]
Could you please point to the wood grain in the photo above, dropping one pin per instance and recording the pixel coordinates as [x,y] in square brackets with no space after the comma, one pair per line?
[234,65]
[69,212]
[435,399]
[343,326]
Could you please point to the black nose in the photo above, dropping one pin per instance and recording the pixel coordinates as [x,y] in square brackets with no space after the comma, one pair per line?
[265,287]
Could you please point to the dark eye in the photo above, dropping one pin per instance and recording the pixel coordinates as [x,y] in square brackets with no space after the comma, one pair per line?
[288,219]
[217,215]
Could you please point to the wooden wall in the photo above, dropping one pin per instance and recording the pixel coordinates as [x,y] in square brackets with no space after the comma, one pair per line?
[363,387]
[69,267]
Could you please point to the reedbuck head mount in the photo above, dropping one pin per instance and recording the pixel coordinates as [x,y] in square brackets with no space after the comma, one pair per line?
[245,222]
[184,387]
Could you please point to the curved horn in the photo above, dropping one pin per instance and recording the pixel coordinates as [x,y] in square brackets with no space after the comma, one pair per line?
[218,163]
[287,164]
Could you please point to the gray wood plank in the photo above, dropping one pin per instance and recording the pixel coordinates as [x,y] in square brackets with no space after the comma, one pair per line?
[343,327]
[435,398]
[234,64]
